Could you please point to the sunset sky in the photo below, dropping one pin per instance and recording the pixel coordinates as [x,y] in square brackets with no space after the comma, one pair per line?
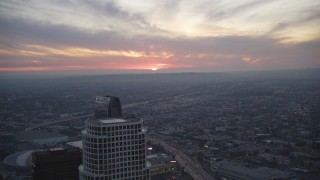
[162,35]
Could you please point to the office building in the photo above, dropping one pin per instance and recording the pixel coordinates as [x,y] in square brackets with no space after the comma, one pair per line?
[161,163]
[56,163]
[113,148]
[107,107]
[229,170]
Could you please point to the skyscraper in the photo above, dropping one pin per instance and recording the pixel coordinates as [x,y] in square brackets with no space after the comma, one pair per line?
[113,148]
[107,107]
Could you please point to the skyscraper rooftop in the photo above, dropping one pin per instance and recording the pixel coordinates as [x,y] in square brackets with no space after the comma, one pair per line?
[107,107]
[113,148]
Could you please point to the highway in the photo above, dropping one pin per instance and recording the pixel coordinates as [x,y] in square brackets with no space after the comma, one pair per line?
[191,166]
[57,122]
[90,115]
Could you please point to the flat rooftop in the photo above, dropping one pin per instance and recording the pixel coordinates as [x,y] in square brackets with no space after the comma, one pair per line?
[111,121]
[77,144]
[242,172]
[93,120]
[159,159]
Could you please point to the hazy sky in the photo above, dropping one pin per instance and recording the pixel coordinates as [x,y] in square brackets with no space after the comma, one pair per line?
[168,35]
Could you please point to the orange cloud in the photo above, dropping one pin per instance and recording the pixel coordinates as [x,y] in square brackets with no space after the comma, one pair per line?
[24,69]
[162,64]
[251,59]
[39,50]
[204,55]
[21,52]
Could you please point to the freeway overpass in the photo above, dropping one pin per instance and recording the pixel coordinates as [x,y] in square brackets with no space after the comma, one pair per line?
[191,166]
[57,122]
[90,115]
[71,118]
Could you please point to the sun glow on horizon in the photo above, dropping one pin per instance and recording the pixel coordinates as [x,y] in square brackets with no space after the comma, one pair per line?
[158,37]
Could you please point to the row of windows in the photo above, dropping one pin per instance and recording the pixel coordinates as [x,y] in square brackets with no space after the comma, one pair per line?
[103,168]
[99,169]
[112,155]
[115,152]
[112,150]
[105,133]
[125,139]
[113,128]
[114,169]
[125,160]
[126,176]
[113,139]
[129,144]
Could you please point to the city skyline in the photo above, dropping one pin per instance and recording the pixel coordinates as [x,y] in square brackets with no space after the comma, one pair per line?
[260,124]
[167,36]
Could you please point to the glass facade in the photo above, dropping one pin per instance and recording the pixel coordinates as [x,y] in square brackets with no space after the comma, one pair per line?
[114,149]
[107,107]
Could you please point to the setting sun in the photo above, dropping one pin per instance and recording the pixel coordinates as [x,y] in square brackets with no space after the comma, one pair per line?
[154,69]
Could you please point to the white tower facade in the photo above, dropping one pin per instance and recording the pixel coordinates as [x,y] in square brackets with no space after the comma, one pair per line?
[114,149]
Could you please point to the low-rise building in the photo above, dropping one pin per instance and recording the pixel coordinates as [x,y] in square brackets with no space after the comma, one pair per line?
[234,171]
[56,163]
[161,163]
